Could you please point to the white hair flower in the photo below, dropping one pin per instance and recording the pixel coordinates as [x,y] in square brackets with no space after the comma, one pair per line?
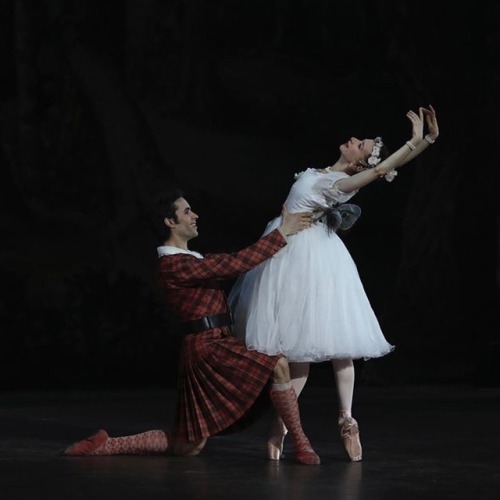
[389,176]
[374,158]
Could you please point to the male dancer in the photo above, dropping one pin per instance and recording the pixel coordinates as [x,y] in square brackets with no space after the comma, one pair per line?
[220,380]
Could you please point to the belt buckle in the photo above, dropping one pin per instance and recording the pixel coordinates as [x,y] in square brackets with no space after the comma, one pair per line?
[209,323]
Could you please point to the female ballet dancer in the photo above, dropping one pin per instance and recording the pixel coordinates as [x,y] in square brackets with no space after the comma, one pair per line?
[307,302]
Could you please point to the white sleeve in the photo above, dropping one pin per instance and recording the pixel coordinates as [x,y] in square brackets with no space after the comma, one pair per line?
[326,186]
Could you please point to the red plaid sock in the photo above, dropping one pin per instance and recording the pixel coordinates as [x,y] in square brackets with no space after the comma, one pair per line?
[146,443]
[284,399]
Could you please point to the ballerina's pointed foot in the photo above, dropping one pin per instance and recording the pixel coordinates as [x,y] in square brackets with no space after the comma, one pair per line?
[275,446]
[88,445]
[349,433]
[307,456]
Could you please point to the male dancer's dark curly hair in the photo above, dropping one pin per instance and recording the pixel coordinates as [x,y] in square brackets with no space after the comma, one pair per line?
[163,207]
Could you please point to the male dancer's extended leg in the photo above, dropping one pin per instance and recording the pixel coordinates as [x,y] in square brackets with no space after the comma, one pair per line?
[146,443]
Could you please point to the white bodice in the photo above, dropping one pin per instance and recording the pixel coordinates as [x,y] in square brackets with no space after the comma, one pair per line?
[316,189]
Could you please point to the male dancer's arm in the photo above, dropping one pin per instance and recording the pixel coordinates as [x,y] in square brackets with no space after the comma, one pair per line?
[187,270]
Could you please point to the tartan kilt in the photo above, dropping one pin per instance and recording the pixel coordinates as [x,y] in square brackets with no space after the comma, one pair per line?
[220,386]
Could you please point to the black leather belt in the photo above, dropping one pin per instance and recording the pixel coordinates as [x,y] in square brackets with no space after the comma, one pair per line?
[206,323]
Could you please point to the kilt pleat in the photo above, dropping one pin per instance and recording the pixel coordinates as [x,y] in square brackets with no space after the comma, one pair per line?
[220,381]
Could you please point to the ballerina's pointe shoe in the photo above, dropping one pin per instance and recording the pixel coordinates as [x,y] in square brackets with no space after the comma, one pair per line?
[275,446]
[87,445]
[349,432]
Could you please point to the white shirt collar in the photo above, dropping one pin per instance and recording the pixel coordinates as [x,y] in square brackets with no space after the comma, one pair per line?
[168,250]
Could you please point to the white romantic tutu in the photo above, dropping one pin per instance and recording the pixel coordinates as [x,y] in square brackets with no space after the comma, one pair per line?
[307,302]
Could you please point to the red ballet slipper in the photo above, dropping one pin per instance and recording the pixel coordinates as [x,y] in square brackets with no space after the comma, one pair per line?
[87,445]
[306,456]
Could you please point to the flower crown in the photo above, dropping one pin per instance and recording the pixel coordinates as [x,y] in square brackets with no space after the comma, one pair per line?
[374,158]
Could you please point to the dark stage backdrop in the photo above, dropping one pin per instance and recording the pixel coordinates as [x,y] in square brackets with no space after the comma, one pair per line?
[104,103]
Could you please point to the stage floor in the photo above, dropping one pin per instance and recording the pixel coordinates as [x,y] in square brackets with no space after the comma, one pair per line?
[418,443]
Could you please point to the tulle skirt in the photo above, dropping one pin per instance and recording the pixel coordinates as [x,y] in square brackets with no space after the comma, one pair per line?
[307,302]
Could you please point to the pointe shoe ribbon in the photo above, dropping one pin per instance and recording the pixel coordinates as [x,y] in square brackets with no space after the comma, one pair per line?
[349,432]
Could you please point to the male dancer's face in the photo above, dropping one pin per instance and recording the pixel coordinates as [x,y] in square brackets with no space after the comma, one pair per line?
[185,226]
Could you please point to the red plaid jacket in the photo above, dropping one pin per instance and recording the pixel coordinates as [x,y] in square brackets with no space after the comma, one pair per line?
[192,286]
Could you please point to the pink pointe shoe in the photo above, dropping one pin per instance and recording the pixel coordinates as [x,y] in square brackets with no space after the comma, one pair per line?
[349,433]
[88,445]
[275,445]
